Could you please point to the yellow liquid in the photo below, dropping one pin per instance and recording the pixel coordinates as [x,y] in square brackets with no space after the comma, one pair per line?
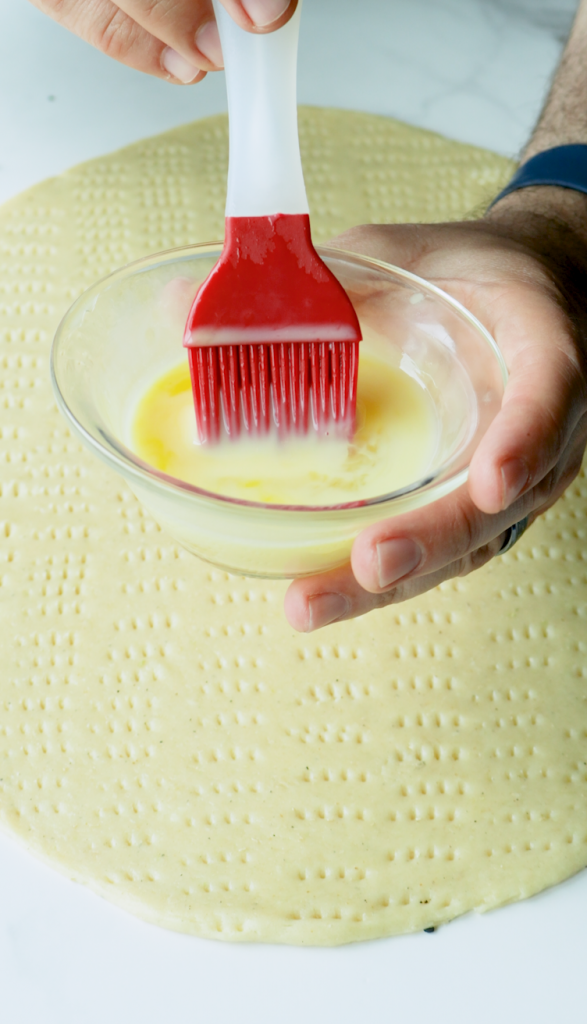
[392,446]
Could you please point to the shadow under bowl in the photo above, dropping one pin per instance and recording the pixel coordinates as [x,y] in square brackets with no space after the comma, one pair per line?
[127,329]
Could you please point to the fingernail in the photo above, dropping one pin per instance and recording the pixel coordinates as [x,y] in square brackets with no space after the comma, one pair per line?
[208,43]
[264,12]
[324,609]
[396,558]
[178,66]
[514,474]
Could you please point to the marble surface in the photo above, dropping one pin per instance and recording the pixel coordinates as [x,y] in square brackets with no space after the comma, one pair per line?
[476,70]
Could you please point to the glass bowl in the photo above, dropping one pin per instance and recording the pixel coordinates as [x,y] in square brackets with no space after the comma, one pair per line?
[126,330]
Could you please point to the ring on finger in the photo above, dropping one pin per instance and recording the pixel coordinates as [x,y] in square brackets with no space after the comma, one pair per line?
[513,534]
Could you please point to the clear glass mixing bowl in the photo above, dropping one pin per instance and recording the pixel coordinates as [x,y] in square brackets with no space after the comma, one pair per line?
[127,329]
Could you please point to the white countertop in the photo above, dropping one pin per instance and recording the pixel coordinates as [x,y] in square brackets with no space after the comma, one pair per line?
[475,70]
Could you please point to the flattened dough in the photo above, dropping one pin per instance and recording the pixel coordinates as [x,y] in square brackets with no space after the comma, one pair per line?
[165,737]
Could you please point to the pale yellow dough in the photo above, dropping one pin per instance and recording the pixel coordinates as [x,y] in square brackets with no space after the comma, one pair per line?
[165,737]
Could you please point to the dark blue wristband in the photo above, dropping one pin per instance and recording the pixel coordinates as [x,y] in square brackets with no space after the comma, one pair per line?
[565,166]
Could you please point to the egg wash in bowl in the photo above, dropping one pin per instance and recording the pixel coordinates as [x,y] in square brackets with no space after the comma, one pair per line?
[392,446]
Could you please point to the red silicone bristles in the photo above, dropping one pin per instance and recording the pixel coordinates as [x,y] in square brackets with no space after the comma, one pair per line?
[314,360]
[274,372]
[194,358]
[294,381]
[214,393]
[204,373]
[323,382]
[230,388]
[345,397]
[265,378]
[235,390]
[335,382]
[304,384]
[285,383]
[246,390]
[299,370]
[353,381]
[247,387]
[279,356]
[255,372]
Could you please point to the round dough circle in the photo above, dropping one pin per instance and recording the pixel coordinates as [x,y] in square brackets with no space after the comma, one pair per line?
[165,737]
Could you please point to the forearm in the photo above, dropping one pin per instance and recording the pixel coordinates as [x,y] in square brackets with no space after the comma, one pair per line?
[552,221]
[564,116]
[563,120]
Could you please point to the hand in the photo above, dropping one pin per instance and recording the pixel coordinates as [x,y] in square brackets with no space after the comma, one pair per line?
[173,39]
[524,277]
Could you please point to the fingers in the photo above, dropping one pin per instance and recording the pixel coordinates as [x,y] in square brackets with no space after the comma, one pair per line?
[528,457]
[420,544]
[456,540]
[317,601]
[544,400]
[260,15]
[173,39]
[187,30]
[454,530]
[546,393]
[399,558]
[104,25]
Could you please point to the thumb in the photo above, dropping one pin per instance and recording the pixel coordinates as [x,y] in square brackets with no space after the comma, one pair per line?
[260,15]
[544,399]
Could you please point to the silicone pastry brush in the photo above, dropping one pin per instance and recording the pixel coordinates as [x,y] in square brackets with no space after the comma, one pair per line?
[272,336]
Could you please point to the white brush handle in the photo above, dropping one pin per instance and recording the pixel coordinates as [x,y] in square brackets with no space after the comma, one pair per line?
[265,169]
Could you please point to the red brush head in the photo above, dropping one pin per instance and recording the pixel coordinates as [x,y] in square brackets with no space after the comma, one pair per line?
[271,330]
